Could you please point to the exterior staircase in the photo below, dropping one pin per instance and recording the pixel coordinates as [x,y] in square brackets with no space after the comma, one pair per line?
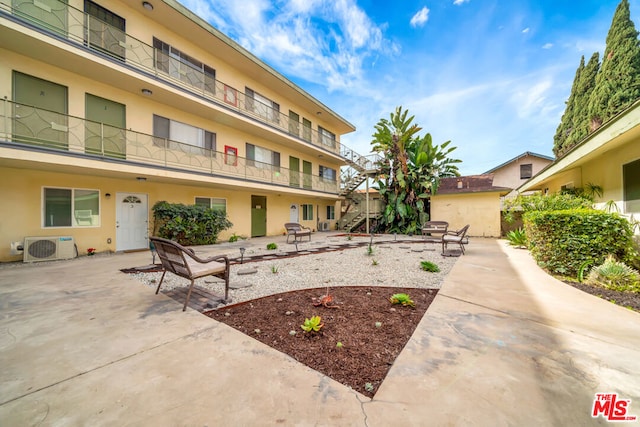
[358,169]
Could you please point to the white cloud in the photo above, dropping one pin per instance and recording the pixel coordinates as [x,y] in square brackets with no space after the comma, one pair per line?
[547,46]
[419,19]
[526,30]
[460,2]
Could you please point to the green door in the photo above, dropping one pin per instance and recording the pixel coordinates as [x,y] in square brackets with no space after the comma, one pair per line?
[306,174]
[294,171]
[40,112]
[105,127]
[258,216]
[50,14]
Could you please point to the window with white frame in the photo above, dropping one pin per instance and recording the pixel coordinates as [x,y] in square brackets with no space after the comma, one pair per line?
[172,130]
[328,174]
[262,157]
[331,212]
[307,212]
[70,207]
[327,138]
[215,203]
[189,70]
[262,106]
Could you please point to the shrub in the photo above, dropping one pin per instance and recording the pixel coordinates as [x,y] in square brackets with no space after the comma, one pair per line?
[562,241]
[517,238]
[403,299]
[188,224]
[272,246]
[615,275]
[314,324]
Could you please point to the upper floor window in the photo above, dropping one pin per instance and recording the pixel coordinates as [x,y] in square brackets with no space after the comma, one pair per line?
[526,171]
[172,130]
[184,67]
[105,30]
[306,129]
[327,173]
[262,106]
[262,157]
[215,203]
[70,207]
[327,138]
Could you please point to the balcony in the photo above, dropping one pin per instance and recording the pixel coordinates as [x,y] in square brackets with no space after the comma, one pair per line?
[26,127]
[77,28]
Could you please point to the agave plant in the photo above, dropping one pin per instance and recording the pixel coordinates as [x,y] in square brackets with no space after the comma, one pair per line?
[517,238]
[615,275]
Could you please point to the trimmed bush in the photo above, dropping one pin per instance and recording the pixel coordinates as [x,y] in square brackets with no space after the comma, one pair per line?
[188,224]
[562,241]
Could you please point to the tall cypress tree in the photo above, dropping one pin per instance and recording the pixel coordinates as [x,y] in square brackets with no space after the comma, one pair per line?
[583,90]
[618,82]
[566,122]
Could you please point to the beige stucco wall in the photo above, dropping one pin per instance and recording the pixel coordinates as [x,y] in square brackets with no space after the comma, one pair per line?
[21,210]
[480,210]
[509,175]
[605,171]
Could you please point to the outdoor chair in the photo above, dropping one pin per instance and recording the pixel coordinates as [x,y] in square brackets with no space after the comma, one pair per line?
[434,229]
[457,237]
[185,263]
[297,231]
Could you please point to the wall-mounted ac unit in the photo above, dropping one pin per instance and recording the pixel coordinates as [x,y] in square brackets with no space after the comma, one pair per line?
[323,226]
[48,248]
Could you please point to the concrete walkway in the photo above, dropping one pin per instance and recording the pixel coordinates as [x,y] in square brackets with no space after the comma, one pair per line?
[502,345]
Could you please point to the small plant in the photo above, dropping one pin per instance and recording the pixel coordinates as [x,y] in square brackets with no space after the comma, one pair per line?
[403,299]
[339,344]
[615,275]
[368,387]
[312,325]
[374,262]
[429,266]
[584,267]
[91,251]
[369,250]
[234,238]
[272,246]
[517,238]
[349,237]
[378,324]
[274,269]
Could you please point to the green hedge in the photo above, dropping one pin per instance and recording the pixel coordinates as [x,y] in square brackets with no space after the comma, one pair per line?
[188,224]
[562,241]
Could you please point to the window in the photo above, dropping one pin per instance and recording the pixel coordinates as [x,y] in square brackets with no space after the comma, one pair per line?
[172,130]
[68,207]
[230,155]
[307,212]
[526,171]
[327,138]
[631,186]
[331,212]
[105,30]
[262,157]
[184,67]
[217,204]
[262,106]
[327,173]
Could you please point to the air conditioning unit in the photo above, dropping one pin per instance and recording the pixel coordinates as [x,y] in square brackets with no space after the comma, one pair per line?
[323,226]
[48,248]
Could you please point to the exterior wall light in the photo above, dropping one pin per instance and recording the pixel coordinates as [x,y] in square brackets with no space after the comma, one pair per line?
[147,5]
[147,92]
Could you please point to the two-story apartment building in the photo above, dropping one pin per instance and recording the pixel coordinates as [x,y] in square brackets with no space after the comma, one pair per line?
[107,107]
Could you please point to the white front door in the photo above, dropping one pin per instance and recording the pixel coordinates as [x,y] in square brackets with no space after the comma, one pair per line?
[131,221]
[293,213]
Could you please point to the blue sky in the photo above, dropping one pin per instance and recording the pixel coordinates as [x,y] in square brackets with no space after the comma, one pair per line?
[492,76]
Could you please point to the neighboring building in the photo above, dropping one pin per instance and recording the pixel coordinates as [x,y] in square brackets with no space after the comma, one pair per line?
[608,158]
[112,106]
[513,173]
[473,200]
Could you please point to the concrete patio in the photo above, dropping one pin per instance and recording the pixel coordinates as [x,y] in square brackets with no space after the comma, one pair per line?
[503,344]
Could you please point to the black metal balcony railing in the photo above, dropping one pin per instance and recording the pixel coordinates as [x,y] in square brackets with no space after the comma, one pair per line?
[24,125]
[82,29]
